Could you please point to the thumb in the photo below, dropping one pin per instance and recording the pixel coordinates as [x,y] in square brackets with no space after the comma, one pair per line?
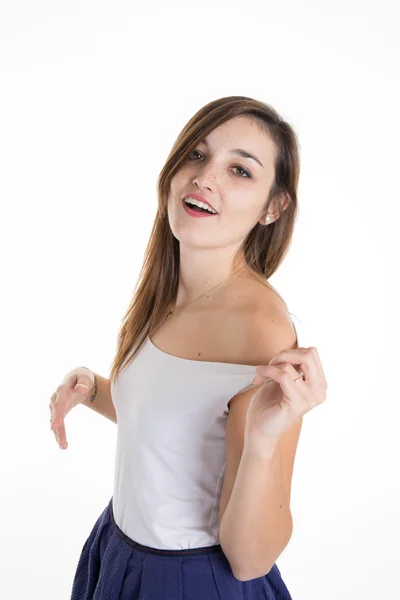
[84,379]
[81,385]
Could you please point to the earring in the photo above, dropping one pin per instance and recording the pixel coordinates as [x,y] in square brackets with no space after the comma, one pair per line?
[267,218]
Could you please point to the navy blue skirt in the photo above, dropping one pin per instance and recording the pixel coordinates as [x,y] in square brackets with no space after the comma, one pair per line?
[112,566]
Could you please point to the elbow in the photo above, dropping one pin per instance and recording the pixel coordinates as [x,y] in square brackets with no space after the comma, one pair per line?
[247,575]
[244,571]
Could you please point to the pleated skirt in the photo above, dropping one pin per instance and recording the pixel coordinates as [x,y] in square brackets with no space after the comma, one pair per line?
[112,566]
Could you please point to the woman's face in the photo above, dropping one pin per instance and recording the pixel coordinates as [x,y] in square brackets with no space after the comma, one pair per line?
[237,187]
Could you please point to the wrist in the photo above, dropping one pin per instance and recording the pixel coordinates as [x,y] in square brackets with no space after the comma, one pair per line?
[93,390]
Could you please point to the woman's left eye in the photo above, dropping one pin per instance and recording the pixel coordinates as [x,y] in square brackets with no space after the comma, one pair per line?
[235,167]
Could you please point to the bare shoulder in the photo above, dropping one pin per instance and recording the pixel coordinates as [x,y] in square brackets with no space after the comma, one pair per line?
[262,324]
[270,322]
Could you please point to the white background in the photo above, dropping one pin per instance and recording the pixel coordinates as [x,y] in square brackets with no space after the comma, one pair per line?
[92,97]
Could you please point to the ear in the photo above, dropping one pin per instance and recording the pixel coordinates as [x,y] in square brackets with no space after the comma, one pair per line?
[285,201]
[273,210]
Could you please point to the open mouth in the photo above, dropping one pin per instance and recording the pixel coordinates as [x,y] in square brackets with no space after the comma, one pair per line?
[197,209]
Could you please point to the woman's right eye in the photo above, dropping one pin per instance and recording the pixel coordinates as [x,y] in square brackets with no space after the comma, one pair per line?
[193,152]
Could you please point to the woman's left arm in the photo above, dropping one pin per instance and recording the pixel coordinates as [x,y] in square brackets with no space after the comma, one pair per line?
[256,524]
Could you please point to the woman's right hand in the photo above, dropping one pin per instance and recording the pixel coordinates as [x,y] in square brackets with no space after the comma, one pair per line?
[76,387]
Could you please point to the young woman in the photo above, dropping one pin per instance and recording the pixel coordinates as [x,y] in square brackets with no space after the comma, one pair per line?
[209,385]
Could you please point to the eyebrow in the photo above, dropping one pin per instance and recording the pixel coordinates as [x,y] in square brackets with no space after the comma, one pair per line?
[240,152]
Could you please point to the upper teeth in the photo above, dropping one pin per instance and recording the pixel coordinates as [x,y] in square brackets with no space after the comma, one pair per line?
[201,204]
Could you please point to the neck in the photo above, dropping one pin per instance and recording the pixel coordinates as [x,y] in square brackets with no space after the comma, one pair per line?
[201,271]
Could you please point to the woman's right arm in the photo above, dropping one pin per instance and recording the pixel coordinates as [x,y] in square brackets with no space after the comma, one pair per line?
[80,386]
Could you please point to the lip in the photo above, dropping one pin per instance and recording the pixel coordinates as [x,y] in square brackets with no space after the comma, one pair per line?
[193,213]
[200,198]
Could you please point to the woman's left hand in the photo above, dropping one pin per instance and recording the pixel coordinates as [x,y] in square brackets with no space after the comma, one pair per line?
[279,403]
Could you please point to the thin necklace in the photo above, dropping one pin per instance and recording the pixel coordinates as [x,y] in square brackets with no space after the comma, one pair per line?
[202,296]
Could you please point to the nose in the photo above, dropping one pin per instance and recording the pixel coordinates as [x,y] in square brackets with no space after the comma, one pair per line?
[201,184]
[205,180]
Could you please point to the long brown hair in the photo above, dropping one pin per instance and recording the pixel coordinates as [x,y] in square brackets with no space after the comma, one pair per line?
[264,248]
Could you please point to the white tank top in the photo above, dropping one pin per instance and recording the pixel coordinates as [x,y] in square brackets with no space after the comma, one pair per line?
[170,453]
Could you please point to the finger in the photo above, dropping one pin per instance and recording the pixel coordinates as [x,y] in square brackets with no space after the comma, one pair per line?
[59,434]
[56,415]
[62,438]
[56,435]
[318,360]
[304,358]
[269,373]
[294,372]
[81,386]
[266,374]
[292,391]
[52,409]
[57,411]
